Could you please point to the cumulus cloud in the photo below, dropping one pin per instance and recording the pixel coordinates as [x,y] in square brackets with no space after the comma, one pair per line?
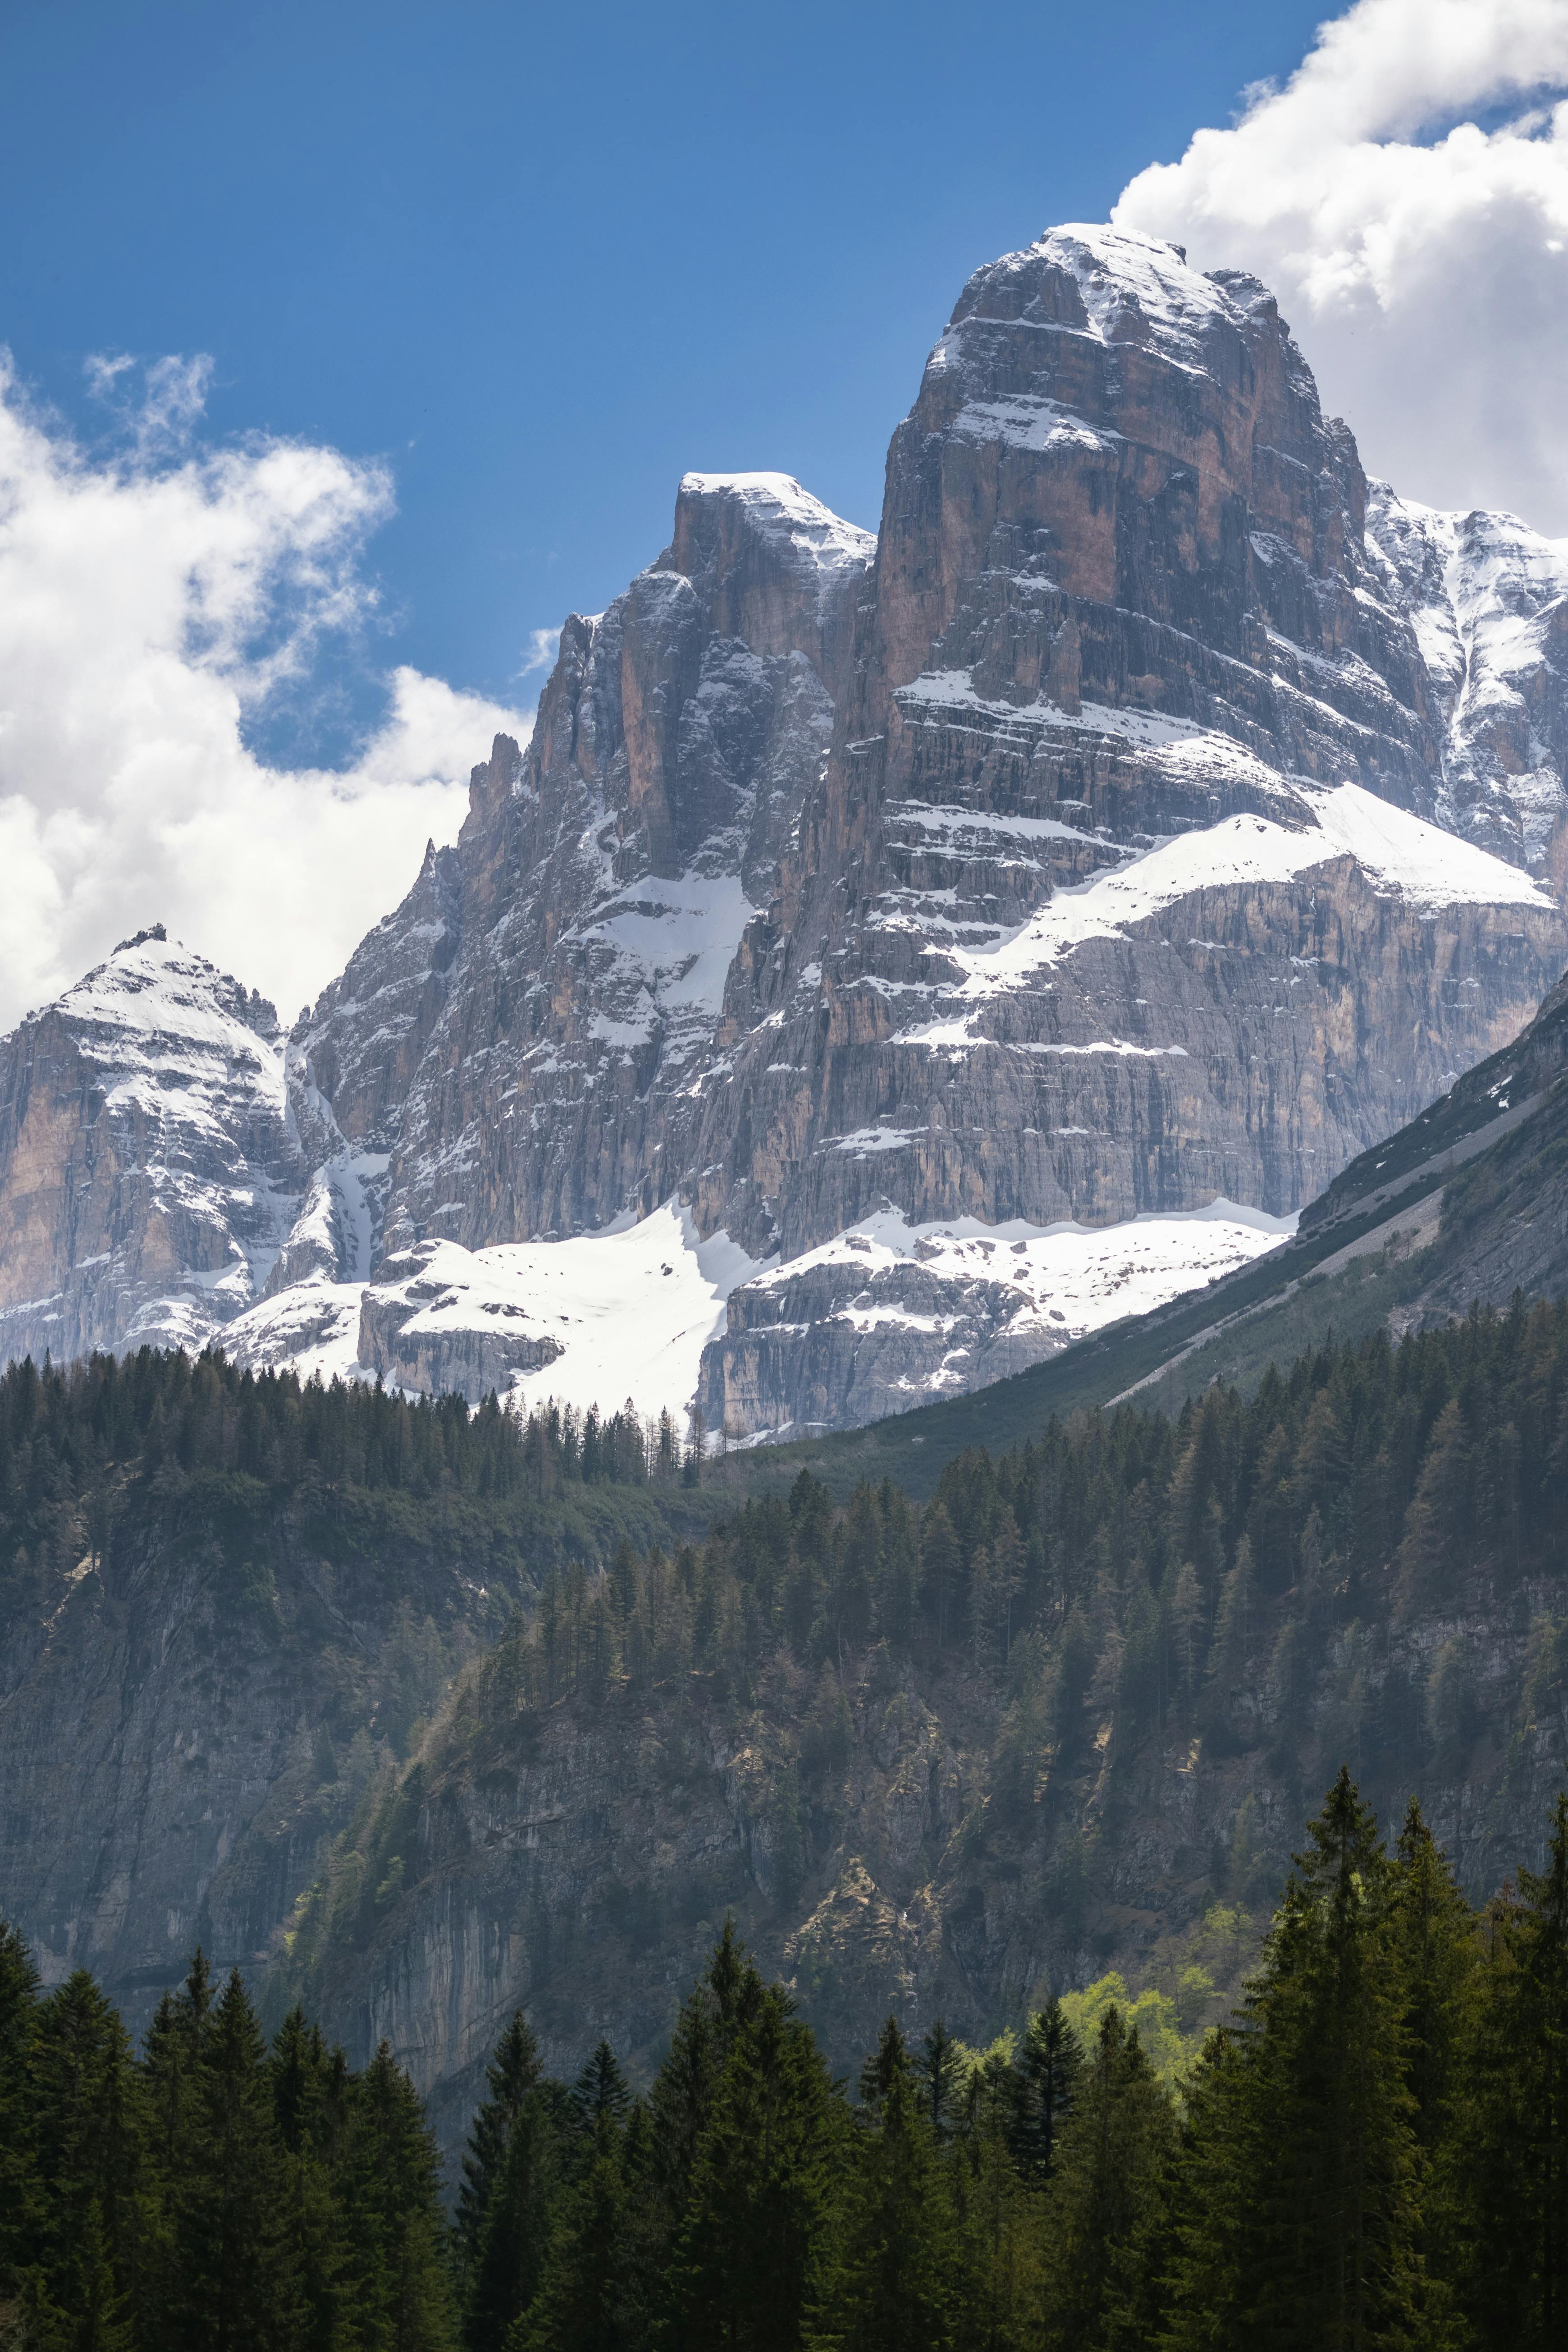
[1405,194]
[153,600]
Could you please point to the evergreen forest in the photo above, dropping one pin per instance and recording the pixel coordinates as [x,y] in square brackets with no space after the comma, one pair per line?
[1374,2151]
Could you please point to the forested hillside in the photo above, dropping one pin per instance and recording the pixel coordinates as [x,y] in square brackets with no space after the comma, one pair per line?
[228,1602]
[1374,2150]
[1058,1721]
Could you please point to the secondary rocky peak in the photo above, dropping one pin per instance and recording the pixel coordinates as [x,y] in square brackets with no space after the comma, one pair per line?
[149,1170]
[771,564]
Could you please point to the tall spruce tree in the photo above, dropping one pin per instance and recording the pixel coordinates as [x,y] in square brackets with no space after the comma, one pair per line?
[1107,2208]
[236,2291]
[398,2285]
[511,2078]
[940,2069]
[597,2291]
[20,2197]
[310,2089]
[1045,2075]
[998,2218]
[745,2266]
[519,2220]
[1310,2157]
[84,2135]
[1436,1957]
[892,2280]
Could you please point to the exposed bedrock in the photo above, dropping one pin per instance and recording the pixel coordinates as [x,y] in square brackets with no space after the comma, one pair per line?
[1153,812]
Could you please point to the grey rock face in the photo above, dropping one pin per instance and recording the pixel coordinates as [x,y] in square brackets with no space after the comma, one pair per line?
[148,1171]
[1062,854]
[184,1724]
[415,1331]
[609,874]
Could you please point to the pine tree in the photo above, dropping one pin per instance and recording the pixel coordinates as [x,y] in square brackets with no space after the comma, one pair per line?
[940,2072]
[396,2275]
[1517,2163]
[1309,2155]
[998,2218]
[1107,2207]
[745,2266]
[85,2136]
[519,2218]
[596,2291]
[893,2277]
[20,2197]
[511,2079]
[1047,2073]
[888,2064]
[1437,1959]
[236,2292]
[684,2090]
[599,2093]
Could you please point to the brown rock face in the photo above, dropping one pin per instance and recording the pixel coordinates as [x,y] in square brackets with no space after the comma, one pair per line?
[1152,815]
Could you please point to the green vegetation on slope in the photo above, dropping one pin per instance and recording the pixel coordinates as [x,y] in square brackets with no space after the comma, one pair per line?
[1373,2152]
[1058,1719]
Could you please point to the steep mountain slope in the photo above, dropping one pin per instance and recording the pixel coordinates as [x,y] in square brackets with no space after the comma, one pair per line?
[224,1608]
[1147,822]
[149,1169]
[1064,1720]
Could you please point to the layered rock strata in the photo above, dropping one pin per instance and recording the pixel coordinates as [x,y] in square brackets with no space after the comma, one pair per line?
[1154,814]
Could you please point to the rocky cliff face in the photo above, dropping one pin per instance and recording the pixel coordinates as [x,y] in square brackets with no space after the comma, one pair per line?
[149,1170]
[1150,819]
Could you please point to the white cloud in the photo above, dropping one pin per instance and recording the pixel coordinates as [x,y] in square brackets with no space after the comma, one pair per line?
[543,645]
[150,602]
[1405,194]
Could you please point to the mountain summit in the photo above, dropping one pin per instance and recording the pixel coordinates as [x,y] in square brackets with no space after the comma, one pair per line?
[955,938]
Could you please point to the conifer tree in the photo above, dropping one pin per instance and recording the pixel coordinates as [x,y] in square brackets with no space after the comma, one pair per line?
[1107,2207]
[888,2064]
[20,2214]
[940,2073]
[745,2266]
[511,2078]
[998,2219]
[1046,2077]
[1519,2164]
[85,2138]
[1310,2153]
[683,2092]
[397,2281]
[892,2280]
[519,2216]
[236,2293]
[1436,1959]
[599,2093]
[596,2291]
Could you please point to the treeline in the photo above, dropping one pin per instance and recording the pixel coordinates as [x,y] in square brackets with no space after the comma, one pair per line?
[1235,1568]
[100,1445]
[1374,2154]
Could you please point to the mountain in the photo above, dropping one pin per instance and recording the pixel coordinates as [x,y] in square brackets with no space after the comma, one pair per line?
[149,1167]
[891,960]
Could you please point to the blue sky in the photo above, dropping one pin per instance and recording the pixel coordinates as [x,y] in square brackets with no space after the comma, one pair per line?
[462,289]
[543,259]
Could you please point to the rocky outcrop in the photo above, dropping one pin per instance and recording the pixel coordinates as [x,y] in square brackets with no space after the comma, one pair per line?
[149,1172]
[419,1330]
